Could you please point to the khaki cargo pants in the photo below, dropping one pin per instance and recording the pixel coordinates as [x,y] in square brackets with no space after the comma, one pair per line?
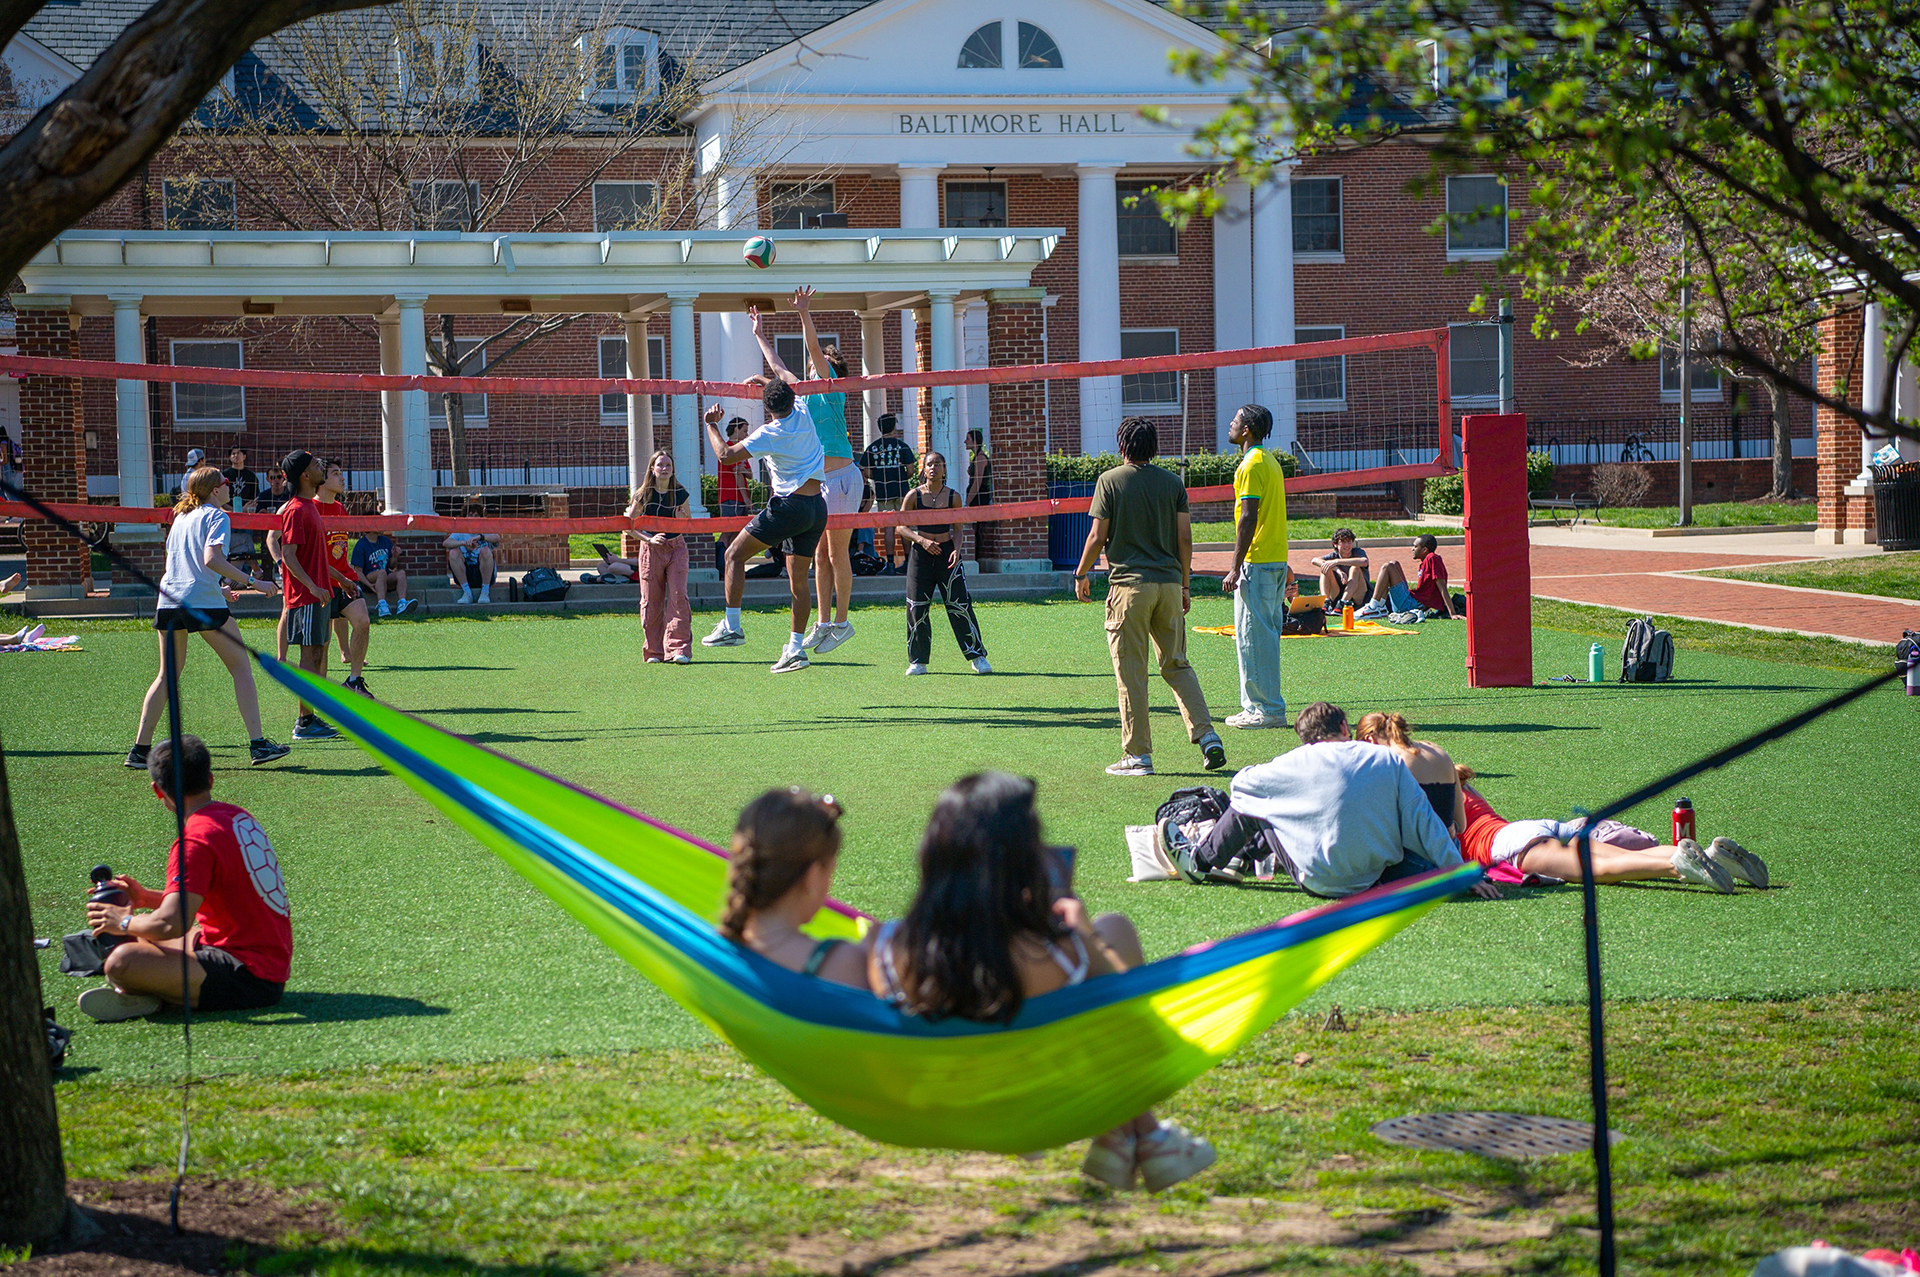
[1136,615]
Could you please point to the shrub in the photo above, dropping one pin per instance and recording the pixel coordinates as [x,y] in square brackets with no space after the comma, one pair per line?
[1203,469]
[757,492]
[1445,494]
[1617,484]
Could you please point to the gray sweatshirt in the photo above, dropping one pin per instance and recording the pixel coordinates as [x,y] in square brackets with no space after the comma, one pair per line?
[1345,811]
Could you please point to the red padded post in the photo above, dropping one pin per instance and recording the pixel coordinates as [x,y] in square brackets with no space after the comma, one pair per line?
[1499,577]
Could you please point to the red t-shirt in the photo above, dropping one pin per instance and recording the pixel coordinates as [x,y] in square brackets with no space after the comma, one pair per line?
[733,482]
[1476,840]
[339,556]
[1430,587]
[243,899]
[302,528]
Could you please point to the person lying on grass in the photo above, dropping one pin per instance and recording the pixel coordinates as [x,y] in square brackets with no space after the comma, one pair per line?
[988,929]
[786,845]
[230,913]
[1546,848]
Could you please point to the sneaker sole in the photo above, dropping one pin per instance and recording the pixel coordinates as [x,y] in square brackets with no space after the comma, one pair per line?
[133,767]
[1751,869]
[1216,759]
[115,1006]
[1184,1170]
[731,640]
[1130,771]
[782,667]
[263,759]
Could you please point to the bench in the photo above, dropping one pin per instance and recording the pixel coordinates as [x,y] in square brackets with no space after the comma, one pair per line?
[1575,504]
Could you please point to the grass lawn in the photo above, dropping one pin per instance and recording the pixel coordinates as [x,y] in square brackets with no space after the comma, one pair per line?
[432,986]
[1720,514]
[1894,576]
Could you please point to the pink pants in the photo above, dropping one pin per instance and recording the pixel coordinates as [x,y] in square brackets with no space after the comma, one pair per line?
[665,612]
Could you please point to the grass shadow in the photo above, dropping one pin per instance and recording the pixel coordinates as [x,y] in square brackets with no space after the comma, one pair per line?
[490,709]
[1511,727]
[315,1007]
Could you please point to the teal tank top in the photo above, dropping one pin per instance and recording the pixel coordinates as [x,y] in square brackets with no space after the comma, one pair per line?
[829,413]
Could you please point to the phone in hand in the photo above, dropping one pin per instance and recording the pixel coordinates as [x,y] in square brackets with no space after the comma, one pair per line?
[1059,866]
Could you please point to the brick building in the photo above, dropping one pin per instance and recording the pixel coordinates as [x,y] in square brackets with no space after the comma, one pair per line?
[917,114]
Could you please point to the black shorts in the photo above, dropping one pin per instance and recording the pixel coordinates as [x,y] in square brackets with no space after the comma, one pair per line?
[338,605]
[192,621]
[308,625]
[229,986]
[796,521]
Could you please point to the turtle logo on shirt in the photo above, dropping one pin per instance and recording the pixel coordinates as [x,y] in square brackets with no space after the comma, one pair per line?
[262,865]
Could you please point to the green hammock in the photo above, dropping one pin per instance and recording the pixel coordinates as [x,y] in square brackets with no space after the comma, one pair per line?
[1074,1063]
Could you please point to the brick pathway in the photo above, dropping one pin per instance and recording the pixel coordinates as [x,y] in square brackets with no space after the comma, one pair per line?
[1658,581]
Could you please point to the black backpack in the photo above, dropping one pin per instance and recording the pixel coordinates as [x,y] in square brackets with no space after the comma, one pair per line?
[1647,656]
[543,585]
[1197,803]
[1906,649]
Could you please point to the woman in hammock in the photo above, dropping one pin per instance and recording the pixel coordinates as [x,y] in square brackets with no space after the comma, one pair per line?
[785,848]
[989,929]
[1431,765]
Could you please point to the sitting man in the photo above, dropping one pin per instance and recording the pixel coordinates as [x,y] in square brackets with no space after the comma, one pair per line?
[470,557]
[1339,815]
[1392,595]
[374,559]
[240,941]
[1343,573]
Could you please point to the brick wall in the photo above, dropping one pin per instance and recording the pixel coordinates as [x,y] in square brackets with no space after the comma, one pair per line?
[55,454]
[1019,426]
[1842,517]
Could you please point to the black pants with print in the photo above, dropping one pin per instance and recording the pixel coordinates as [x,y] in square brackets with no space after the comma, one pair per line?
[927,572]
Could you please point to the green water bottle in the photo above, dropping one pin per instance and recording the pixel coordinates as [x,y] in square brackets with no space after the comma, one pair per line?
[1596,664]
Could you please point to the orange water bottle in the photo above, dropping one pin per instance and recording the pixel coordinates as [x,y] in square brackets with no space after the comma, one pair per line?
[1346,617]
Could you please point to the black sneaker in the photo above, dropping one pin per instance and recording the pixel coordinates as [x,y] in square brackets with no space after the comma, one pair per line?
[266,751]
[356,683]
[312,727]
[137,758]
[1214,752]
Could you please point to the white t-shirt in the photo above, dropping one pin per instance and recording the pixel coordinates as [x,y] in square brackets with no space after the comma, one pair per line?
[189,582]
[792,450]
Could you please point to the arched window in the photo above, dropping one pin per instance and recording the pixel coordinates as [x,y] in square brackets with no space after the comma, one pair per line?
[982,48]
[1037,48]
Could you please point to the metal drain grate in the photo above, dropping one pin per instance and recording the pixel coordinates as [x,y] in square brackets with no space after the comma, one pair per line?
[1512,1136]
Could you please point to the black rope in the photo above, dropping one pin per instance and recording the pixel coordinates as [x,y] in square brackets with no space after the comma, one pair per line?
[176,783]
[1596,1017]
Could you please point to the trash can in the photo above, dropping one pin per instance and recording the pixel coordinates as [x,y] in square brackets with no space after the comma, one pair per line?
[1067,533]
[1896,505]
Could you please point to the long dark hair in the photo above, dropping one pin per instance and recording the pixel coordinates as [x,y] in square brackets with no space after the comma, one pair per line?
[983,885]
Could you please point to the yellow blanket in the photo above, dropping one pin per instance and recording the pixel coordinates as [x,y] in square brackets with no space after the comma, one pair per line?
[1361,629]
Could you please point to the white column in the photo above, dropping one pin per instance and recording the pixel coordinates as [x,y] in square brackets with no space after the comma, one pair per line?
[639,407]
[416,429]
[1232,304]
[910,362]
[729,336]
[686,408]
[1098,233]
[1906,406]
[130,413]
[944,438]
[1272,220]
[393,429]
[1873,379]
[873,363]
[920,196]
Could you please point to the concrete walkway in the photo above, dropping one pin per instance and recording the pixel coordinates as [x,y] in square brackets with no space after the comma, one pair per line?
[1614,568]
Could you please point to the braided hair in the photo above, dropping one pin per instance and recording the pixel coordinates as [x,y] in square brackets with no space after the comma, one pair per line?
[1139,440]
[780,836]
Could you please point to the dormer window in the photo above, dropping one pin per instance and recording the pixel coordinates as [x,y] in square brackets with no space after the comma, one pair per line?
[621,64]
[436,62]
[982,48]
[1037,48]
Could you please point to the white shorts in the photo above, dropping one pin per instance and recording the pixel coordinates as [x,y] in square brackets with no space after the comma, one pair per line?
[1511,841]
[843,488]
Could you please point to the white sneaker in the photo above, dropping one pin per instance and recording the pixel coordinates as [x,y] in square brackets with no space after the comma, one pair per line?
[793,658]
[466,594]
[917,667]
[1170,1155]
[723,637]
[814,635]
[1112,1166]
[1740,864]
[1377,608]
[1132,765]
[485,594]
[654,660]
[1406,618]
[980,665]
[834,635]
[682,659]
[1253,720]
[1692,864]
[108,1005]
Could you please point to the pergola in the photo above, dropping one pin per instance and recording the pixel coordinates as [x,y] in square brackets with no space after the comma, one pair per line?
[400,277]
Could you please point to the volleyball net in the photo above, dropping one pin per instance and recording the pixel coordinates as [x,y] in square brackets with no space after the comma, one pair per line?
[561,453]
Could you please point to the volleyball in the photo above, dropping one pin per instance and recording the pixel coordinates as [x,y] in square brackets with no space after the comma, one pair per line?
[758,252]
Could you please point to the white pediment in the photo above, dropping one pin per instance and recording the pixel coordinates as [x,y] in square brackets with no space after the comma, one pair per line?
[886,85]
[36,73]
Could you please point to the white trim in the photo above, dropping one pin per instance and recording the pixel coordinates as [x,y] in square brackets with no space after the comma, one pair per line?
[213,423]
[1155,407]
[1506,219]
[1000,48]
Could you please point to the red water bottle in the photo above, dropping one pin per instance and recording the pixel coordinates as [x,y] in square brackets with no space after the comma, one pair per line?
[1682,820]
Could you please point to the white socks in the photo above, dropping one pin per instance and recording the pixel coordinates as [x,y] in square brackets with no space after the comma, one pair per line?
[794,640]
[733,619]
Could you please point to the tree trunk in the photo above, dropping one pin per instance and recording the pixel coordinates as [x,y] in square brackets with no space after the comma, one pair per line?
[1782,444]
[33,1177]
[457,437]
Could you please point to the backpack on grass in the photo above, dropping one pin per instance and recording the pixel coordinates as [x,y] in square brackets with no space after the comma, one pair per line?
[543,585]
[1647,656]
[1906,649]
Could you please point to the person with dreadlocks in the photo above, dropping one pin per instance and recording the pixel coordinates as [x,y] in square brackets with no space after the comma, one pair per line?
[1141,521]
[785,848]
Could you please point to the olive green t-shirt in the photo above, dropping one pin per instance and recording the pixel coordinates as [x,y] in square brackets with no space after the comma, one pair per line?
[1143,540]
